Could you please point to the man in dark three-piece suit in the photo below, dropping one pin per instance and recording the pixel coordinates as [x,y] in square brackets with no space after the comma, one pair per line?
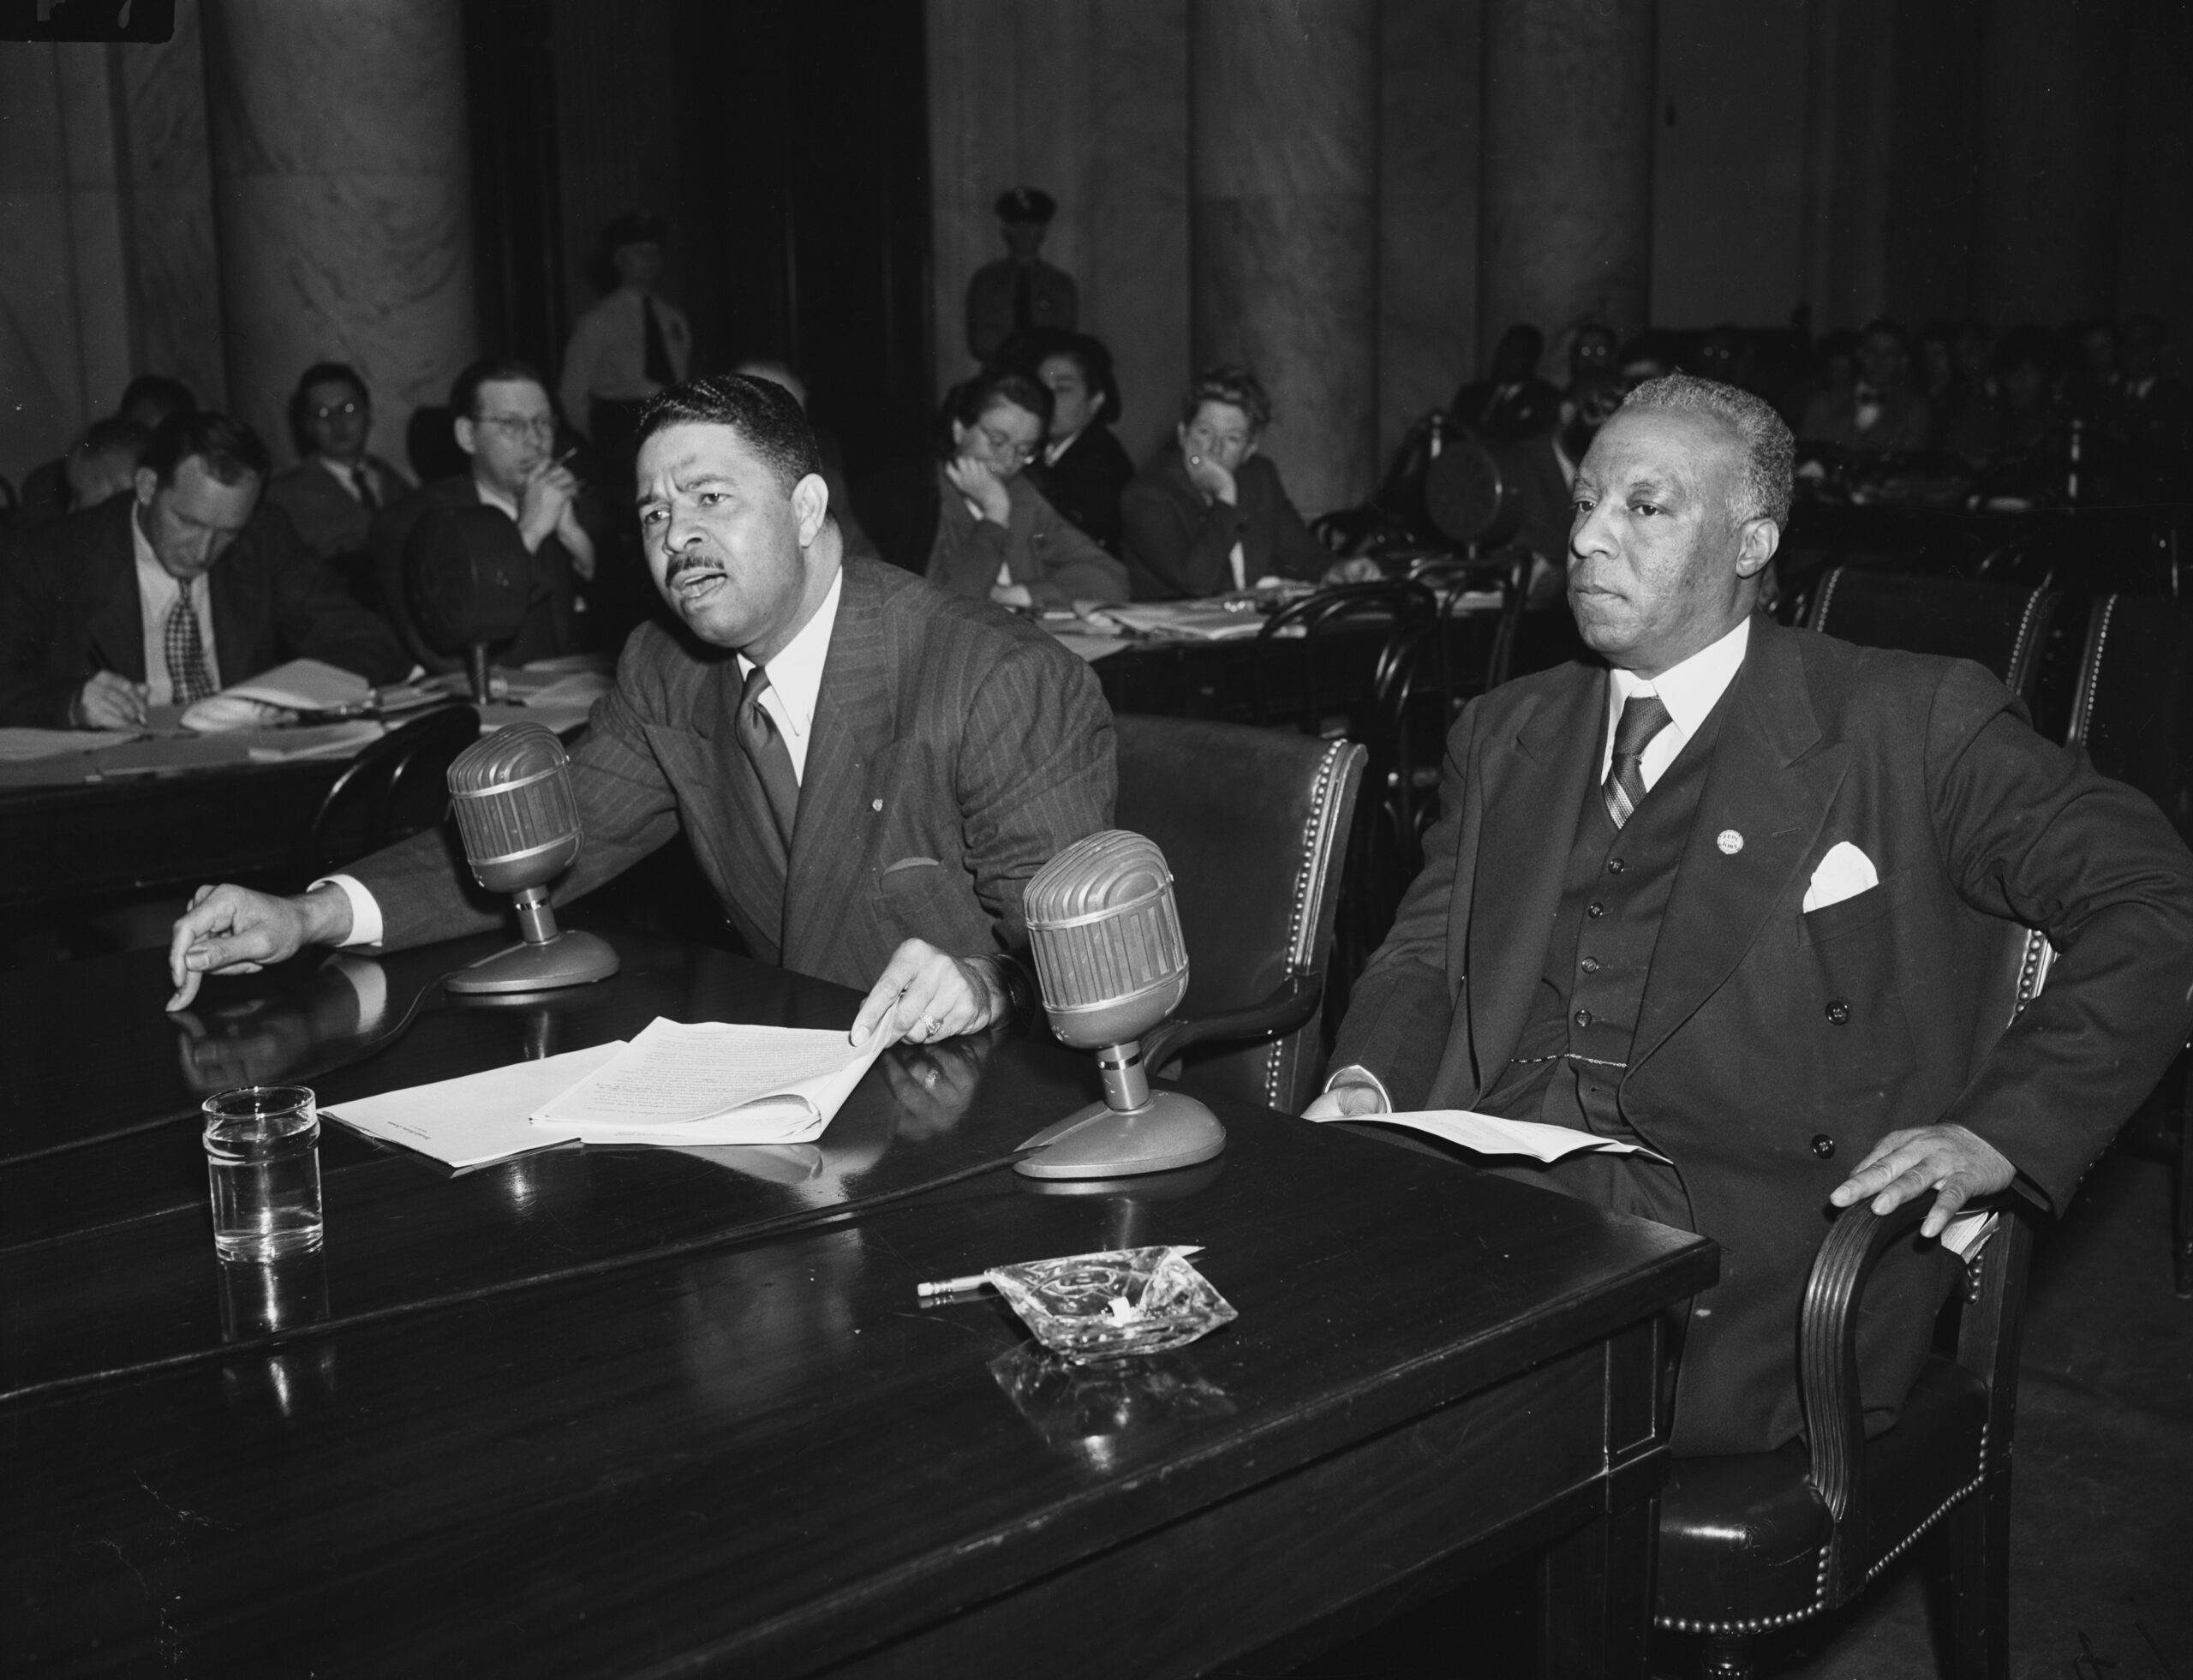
[1747,898]
[166,596]
[868,768]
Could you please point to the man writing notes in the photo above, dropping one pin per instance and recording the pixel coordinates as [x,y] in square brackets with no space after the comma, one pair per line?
[162,596]
[868,770]
[1744,898]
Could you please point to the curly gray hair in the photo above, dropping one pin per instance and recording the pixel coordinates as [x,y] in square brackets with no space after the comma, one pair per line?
[1770,453]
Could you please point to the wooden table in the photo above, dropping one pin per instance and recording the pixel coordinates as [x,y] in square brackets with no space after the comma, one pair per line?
[556,1418]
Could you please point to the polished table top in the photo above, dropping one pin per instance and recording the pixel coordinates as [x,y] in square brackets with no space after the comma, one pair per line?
[557,1417]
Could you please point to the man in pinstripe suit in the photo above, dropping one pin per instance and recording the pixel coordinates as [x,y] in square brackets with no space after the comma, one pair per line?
[868,770]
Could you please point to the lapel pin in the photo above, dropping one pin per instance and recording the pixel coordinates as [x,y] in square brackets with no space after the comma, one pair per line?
[876,804]
[1730,841]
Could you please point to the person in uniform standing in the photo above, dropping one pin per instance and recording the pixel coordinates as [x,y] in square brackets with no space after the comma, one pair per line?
[1020,293]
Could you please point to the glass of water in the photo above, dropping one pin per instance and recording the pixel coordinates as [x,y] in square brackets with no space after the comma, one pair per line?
[262,1160]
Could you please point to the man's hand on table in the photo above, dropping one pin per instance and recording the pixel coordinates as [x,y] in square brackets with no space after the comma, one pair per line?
[1954,1164]
[1346,1100]
[924,995]
[1359,569]
[235,931]
[109,701]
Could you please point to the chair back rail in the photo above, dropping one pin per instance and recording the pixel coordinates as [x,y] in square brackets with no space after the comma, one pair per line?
[394,788]
[2002,626]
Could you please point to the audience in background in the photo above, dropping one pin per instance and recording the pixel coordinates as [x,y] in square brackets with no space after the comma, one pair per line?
[2154,416]
[1544,470]
[625,348]
[1020,293]
[781,374]
[1967,417]
[1210,514]
[2026,433]
[1592,347]
[1082,468]
[506,427]
[104,462]
[1513,402]
[102,613]
[146,401]
[1880,411]
[994,533]
[333,493]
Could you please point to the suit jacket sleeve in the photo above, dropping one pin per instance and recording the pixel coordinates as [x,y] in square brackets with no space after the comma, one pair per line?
[2031,831]
[627,808]
[1401,1011]
[1068,566]
[32,612]
[318,617]
[1295,553]
[1184,545]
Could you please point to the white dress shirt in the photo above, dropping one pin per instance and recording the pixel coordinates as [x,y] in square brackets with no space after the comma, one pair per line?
[795,687]
[1689,691]
[156,598]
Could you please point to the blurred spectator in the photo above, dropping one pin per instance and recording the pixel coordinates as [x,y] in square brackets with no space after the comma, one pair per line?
[102,613]
[1937,365]
[1545,471]
[104,463]
[1880,411]
[1592,347]
[2092,390]
[146,401]
[1019,292]
[968,518]
[2154,416]
[857,540]
[2029,435]
[1512,403]
[506,427]
[1969,418]
[623,350]
[1725,356]
[333,494]
[1651,355]
[1082,468]
[1210,514]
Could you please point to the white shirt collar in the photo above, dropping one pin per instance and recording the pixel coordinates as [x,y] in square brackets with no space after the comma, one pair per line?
[490,496]
[344,475]
[1052,451]
[796,676]
[1689,691]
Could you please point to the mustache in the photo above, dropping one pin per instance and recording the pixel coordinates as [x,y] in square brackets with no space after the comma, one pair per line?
[681,564]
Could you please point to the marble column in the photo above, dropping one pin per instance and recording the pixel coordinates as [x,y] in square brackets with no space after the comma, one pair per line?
[1284,219]
[342,199]
[1566,192]
[2046,242]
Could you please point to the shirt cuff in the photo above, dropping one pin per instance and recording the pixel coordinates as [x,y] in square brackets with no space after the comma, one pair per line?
[1354,1074]
[365,910]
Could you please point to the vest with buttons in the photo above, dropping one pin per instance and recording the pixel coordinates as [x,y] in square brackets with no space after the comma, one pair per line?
[1568,1067]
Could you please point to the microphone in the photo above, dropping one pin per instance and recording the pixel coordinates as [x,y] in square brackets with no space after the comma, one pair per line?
[470,581]
[512,791]
[1107,940]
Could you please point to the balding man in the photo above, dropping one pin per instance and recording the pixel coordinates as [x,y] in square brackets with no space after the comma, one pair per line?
[1741,893]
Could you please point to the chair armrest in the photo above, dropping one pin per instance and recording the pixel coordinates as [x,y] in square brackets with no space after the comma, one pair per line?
[1827,1335]
[1293,1003]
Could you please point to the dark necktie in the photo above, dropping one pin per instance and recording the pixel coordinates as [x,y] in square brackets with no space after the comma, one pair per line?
[771,759]
[656,353]
[362,476]
[1643,717]
[1023,297]
[186,649]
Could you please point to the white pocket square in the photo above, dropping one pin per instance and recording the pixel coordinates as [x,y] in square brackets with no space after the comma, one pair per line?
[1844,873]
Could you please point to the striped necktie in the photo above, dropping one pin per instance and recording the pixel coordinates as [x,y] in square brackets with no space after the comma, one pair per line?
[1643,717]
[186,649]
[766,750]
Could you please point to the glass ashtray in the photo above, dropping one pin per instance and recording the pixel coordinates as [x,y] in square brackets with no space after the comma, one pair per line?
[1126,1300]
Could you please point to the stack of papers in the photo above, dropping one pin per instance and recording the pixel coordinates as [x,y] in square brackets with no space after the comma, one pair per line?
[697,1087]
[302,685]
[1487,1135]
[1222,618]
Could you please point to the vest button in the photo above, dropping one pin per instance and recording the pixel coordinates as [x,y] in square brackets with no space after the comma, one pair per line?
[1583,1018]
[1839,1012]
[1595,909]
[1824,1146]
[1590,965]
[1614,866]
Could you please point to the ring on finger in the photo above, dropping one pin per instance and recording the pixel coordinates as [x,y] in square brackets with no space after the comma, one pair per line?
[929,1026]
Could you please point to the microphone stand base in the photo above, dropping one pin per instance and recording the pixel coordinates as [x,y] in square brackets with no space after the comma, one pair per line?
[568,959]
[1168,1130]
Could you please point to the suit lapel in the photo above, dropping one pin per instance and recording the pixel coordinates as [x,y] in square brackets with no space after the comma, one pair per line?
[758,887]
[853,722]
[1770,783]
[236,583]
[117,624]
[1545,770]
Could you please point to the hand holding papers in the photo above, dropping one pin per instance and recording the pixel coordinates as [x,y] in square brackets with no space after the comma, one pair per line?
[1488,1135]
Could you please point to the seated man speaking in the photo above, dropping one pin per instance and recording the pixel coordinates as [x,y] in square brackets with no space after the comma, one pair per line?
[1746,898]
[868,770]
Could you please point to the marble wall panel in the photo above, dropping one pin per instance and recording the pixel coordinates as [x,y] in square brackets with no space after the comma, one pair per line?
[1427,208]
[1566,227]
[342,199]
[1283,146]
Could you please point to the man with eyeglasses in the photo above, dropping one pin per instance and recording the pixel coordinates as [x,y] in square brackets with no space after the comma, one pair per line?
[332,493]
[506,425]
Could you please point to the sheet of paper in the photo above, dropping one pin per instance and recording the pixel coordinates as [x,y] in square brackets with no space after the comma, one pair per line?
[1490,1136]
[18,746]
[304,685]
[481,1117]
[318,740]
[716,1082]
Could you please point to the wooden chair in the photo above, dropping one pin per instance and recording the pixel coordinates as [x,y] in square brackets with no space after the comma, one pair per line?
[396,787]
[2132,711]
[1754,1542]
[1304,640]
[1251,821]
[2002,626]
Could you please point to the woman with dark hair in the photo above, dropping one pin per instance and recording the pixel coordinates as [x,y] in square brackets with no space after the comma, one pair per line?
[1211,514]
[993,534]
[1082,468]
